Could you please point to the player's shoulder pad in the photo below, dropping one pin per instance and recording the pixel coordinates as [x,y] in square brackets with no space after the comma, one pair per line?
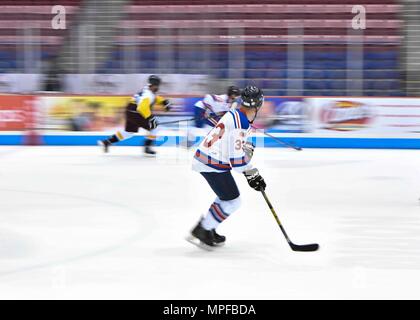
[224,97]
[148,94]
[239,119]
[214,98]
[208,98]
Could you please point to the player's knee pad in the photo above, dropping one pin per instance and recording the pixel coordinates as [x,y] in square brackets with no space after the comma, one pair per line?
[122,135]
[229,206]
[152,134]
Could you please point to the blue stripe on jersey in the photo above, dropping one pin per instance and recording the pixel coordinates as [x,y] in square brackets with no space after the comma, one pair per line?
[244,120]
[234,120]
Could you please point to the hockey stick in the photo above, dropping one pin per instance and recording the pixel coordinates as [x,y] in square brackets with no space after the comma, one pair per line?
[269,135]
[168,122]
[279,140]
[176,121]
[261,130]
[295,247]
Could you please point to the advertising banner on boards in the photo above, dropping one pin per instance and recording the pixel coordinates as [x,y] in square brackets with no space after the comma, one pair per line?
[339,122]
[365,115]
[17,112]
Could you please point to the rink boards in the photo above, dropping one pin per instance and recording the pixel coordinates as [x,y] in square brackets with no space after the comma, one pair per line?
[308,122]
[89,139]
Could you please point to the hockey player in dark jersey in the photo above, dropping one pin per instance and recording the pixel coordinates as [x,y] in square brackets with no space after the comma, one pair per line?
[138,114]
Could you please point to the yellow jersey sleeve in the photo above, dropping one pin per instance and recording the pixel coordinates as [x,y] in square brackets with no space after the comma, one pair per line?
[160,99]
[144,107]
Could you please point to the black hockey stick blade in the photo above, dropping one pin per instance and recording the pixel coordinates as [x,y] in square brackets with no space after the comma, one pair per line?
[305,247]
[294,247]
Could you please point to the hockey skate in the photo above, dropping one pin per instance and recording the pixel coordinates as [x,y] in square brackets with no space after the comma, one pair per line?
[202,238]
[148,151]
[104,144]
[219,240]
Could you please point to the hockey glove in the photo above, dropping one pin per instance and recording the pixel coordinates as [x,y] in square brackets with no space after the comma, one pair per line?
[167,105]
[255,181]
[152,123]
[248,148]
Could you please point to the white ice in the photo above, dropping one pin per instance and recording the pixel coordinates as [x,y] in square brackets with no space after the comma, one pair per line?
[75,223]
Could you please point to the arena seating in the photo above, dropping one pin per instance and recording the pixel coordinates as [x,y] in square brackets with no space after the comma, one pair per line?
[243,40]
[257,2]
[199,36]
[25,31]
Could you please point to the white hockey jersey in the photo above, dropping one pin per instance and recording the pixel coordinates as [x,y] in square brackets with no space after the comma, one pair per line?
[214,103]
[222,149]
[145,94]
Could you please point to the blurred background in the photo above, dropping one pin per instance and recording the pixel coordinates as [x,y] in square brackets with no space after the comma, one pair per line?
[290,48]
[287,47]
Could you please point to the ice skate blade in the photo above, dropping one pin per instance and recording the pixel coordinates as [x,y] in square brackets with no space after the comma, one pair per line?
[103,146]
[198,243]
[150,155]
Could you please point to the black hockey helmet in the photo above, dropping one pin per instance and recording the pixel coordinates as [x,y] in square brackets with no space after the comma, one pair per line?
[252,97]
[154,80]
[233,91]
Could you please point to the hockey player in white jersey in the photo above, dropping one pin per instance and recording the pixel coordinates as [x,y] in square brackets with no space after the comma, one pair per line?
[223,149]
[208,112]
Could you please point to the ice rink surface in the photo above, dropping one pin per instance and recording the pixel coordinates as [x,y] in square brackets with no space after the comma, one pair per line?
[75,223]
